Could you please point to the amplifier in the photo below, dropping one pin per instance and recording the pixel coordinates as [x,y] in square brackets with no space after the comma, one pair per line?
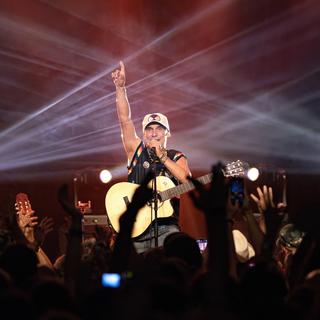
[93,220]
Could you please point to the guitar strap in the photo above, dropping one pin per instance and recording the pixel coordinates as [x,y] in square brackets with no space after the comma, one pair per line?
[135,157]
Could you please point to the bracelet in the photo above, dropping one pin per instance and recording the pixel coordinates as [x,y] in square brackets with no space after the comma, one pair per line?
[164,156]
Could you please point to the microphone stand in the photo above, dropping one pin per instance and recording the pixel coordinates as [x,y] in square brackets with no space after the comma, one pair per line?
[155,202]
[75,201]
[155,195]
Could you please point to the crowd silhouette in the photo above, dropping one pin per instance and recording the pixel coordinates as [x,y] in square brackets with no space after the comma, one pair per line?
[251,268]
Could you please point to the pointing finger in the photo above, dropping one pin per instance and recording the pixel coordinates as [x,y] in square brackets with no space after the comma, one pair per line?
[122,68]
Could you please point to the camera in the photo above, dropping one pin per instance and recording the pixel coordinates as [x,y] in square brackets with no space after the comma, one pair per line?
[111,280]
[237,191]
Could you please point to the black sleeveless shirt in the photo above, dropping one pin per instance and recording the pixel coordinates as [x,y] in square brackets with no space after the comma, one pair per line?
[141,164]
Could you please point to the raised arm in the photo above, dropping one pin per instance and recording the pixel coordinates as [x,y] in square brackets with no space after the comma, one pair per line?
[271,215]
[123,247]
[213,202]
[128,132]
[35,233]
[74,246]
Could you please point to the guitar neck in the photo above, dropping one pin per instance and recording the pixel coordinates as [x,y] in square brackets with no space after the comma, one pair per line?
[183,188]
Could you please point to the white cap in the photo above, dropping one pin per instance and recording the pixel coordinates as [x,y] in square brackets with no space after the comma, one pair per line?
[155,118]
[243,248]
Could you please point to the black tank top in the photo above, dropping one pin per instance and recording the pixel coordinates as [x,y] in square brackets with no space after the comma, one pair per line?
[140,166]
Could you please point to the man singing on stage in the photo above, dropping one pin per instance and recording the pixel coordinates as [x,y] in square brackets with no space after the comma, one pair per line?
[147,154]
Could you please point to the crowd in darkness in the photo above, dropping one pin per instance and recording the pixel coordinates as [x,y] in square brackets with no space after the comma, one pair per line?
[279,277]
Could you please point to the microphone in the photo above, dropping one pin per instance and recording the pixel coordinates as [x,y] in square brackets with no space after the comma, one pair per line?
[153,154]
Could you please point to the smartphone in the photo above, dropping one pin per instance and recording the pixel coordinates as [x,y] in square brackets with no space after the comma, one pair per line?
[202,243]
[237,191]
[111,280]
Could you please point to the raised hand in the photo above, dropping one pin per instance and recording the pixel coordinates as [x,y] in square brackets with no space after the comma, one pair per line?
[44,227]
[142,195]
[123,244]
[211,200]
[66,204]
[271,215]
[119,76]
[264,200]
[27,220]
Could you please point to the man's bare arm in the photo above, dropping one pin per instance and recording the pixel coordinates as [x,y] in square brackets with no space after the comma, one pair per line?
[180,169]
[129,137]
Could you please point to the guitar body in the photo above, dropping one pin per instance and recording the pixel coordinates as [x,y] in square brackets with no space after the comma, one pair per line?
[120,195]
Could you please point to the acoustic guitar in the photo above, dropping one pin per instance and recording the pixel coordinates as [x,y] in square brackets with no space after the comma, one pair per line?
[120,195]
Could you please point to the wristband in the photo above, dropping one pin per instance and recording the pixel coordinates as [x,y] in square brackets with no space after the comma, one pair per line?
[164,156]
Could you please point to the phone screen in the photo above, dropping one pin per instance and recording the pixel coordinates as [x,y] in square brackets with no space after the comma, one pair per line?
[202,243]
[111,280]
[237,191]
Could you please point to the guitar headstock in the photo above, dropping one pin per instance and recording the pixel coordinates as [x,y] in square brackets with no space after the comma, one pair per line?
[22,204]
[236,169]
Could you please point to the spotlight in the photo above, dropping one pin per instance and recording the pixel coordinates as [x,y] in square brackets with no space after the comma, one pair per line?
[253,174]
[105,176]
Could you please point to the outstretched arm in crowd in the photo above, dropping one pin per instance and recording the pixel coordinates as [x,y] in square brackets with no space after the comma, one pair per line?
[44,227]
[213,203]
[255,233]
[271,216]
[123,247]
[35,233]
[74,247]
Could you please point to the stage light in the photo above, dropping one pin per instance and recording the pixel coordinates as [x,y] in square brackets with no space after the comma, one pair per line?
[80,118]
[105,176]
[253,174]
